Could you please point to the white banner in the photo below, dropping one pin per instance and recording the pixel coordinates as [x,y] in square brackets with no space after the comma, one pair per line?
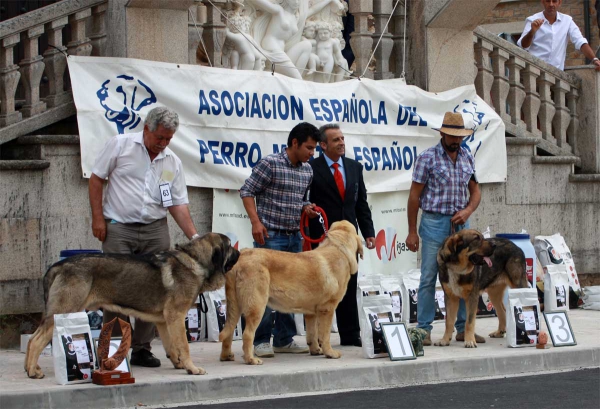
[230,119]
[388,210]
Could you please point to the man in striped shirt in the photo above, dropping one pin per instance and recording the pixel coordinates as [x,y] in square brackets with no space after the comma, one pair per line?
[444,186]
[274,196]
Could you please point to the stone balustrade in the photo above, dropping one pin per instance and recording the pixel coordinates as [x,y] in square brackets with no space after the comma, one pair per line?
[533,98]
[34,85]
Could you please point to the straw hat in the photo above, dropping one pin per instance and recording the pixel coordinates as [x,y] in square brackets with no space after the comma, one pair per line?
[454,125]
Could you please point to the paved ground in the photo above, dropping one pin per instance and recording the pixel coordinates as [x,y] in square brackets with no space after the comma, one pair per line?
[298,373]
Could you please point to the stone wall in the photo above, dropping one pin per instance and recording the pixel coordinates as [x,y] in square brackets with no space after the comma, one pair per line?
[518,11]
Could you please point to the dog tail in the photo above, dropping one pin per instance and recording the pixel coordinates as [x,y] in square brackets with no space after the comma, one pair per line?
[233,309]
[48,280]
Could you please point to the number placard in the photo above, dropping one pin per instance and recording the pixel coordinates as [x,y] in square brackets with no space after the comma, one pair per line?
[560,329]
[397,340]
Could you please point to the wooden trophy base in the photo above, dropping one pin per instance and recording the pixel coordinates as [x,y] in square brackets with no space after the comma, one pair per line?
[112,378]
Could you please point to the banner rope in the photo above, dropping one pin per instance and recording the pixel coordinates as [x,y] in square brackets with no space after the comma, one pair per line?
[381,36]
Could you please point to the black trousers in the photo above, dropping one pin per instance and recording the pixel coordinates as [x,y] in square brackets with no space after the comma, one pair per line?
[347,313]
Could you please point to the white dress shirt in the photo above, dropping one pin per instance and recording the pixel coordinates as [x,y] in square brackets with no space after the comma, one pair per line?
[550,41]
[133,194]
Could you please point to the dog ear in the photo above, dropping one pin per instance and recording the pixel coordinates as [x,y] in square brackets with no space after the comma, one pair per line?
[218,258]
[448,249]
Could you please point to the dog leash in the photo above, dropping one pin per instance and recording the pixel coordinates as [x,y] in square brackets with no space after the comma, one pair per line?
[306,246]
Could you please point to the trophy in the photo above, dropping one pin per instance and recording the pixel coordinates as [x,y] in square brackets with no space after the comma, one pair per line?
[108,375]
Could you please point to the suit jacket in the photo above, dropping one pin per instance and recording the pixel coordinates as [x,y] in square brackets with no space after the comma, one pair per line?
[324,193]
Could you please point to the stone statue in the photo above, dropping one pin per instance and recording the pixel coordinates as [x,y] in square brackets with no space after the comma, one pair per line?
[327,47]
[279,30]
[314,63]
[240,51]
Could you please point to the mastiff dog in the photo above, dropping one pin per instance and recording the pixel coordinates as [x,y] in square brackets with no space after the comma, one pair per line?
[158,288]
[469,264]
[312,283]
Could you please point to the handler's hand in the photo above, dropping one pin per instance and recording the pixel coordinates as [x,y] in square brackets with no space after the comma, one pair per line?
[412,242]
[370,242]
[99,229]
[259,232]
[310,211]
[536,24]
[460,217]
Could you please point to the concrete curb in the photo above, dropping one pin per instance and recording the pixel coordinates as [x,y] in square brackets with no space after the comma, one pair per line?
[380,374]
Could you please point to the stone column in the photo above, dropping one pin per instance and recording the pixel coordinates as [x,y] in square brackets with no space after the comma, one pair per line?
[562,116]
[9,79]
[532,103]
[80,43]
[361,39]
[56,63]
[500,87]
[31,69]
[398,39]
[485,77]
[381,11]
[573,129]
[547,110]
[516,94]
[98,36]
[213,34]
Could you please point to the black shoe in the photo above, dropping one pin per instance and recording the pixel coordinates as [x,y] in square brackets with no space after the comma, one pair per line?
[356,342]
[143,357]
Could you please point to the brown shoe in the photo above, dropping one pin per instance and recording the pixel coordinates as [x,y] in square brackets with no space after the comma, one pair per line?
[427,340]
[478,338]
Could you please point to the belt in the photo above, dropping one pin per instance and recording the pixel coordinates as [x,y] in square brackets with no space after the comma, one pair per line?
[285,232]
[159,221]
[441,214]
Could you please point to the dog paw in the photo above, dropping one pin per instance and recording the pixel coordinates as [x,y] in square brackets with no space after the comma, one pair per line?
[497,334]
[254,361]
[196,371]
[317,351]
[470,344]
[37,374]
[333,354]
[442,343]
[228,357]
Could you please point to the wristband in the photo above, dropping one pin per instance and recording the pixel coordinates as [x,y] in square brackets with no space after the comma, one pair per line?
[195,236]
[595,59]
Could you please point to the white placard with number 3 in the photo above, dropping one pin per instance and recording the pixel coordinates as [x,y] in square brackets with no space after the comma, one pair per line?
[397,341]
[560,329]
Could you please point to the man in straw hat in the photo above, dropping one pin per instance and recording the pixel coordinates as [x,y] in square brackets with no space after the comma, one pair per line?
[444,186]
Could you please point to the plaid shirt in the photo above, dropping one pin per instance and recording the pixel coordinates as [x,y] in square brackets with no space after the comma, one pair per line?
[280,190]
[446,183]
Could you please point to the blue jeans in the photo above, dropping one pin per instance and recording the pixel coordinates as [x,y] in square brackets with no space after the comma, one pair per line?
[433,230]
[285,327]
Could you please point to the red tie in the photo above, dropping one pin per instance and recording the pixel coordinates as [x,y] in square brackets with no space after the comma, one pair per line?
[339,180]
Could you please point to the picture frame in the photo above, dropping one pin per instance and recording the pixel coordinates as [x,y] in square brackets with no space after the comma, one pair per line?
[114,345]
[559,328]
[397,341]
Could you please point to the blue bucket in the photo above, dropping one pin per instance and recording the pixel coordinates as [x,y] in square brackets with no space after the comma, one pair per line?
[68,253]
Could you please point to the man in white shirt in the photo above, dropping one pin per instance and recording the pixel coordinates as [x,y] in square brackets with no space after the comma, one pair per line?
[546,33]
[145,179]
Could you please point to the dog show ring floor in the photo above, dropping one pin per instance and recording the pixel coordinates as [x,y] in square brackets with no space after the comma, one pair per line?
[302,373]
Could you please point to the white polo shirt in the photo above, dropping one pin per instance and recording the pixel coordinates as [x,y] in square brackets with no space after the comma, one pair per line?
[550,41]
[133,194]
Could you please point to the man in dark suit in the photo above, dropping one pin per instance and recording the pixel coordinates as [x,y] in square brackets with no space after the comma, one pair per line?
[339,189]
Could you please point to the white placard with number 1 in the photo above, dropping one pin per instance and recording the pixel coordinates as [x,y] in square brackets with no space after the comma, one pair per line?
[560,329]
[397,341]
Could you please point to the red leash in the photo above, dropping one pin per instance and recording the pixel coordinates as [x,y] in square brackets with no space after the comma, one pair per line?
[304,223]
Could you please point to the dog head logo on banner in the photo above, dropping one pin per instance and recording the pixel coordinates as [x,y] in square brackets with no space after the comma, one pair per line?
[469,109]
[122,99]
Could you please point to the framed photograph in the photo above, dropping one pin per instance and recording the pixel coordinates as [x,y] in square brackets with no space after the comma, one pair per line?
[397,341]
[559,327]
[114,345]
